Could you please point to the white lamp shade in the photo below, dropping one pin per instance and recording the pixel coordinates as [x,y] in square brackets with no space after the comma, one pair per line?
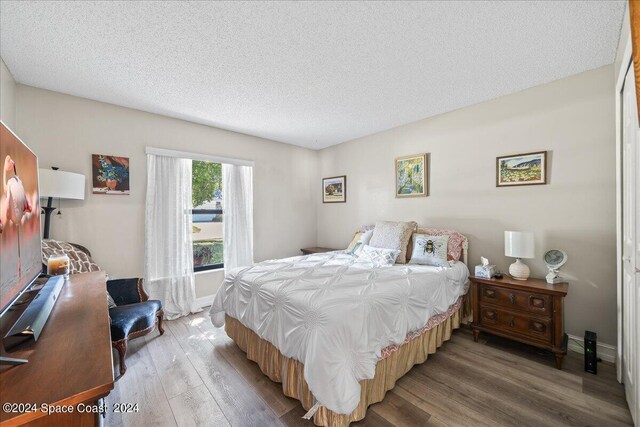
[60,184]
[519,244]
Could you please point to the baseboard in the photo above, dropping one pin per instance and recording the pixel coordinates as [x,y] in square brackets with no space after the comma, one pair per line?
[606,352]
[205,301]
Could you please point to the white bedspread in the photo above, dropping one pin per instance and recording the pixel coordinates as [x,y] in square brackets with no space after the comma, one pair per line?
[335,314]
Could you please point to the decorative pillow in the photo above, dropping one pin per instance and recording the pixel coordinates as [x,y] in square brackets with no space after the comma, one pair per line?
[379,257]
[110,302]
[429,250]
[80,261]
[360,239]
[454,247]
[393,235]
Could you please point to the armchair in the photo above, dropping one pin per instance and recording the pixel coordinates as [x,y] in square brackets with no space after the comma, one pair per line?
[133,316]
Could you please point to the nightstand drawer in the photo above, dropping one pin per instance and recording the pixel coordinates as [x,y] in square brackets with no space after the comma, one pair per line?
[516,300]
[511,322]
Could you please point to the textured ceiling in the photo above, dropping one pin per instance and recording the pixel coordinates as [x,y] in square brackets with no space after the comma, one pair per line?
[308,73]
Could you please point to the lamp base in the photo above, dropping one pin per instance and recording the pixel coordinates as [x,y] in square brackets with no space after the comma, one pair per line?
[519,270]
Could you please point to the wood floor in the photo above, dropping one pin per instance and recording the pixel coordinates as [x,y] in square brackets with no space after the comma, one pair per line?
[194,375]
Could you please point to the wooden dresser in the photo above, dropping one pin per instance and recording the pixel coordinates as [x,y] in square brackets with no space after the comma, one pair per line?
[528,311]
[70,366]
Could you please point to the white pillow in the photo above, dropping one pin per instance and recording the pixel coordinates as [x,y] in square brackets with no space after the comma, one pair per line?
[429,250]
[366,237]
[363,239]
[379,257]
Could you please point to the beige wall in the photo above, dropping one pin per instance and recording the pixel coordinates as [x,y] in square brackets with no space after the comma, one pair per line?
[65,130]
[7,96]
[572,118]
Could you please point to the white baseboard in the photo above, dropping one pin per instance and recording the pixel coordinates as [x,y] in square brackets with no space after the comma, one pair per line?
[205,301]
[606,352]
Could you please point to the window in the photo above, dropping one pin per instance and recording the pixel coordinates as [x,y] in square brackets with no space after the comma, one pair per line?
[207,215]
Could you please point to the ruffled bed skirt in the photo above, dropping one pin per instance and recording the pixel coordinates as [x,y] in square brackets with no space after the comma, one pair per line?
[389,369]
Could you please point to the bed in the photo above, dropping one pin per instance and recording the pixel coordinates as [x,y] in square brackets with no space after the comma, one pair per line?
[338,332]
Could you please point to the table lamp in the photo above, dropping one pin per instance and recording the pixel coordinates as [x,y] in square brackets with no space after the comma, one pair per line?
[519,244]
[59,184]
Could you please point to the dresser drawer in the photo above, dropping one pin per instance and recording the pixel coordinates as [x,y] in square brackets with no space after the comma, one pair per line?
[516,323]
[516,300]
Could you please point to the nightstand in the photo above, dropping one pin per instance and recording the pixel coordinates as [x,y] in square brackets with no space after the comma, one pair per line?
[529,311]
[315,250]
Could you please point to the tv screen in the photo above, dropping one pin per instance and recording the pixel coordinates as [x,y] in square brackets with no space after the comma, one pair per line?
[20,246]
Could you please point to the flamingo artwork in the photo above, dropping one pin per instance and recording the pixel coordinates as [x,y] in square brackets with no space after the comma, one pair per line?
[16,203]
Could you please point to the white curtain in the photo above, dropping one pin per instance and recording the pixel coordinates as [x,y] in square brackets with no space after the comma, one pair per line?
[237,189]
[168,241]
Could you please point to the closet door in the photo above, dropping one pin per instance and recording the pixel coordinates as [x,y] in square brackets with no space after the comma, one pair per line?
[630,244]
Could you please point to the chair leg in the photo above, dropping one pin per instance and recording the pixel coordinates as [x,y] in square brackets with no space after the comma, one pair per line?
[121,346]
[160,315]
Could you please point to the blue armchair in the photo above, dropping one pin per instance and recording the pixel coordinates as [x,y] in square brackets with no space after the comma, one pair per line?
[135,314]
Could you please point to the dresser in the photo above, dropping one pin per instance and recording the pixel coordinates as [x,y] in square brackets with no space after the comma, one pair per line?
[70,367]
[530,311]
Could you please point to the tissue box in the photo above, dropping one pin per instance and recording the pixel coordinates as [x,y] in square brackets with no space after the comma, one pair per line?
[485,271]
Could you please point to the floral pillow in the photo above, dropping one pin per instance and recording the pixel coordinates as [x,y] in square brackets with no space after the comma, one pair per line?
[429,250]
[379,257]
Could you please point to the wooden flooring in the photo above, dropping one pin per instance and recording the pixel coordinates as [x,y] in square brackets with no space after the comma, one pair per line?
[194,375]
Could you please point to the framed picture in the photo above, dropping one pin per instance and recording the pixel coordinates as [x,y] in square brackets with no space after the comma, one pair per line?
[334,189]
[521,169]
[411,176]
[110,174]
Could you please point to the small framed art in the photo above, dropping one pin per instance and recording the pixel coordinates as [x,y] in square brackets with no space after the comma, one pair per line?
[521,169]
[334,189]
[110,174]
[411,176]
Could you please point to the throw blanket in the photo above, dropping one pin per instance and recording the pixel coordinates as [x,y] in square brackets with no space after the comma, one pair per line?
[335,313]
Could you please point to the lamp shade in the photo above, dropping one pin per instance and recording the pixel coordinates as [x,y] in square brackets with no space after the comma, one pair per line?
[60,184]
[519,244]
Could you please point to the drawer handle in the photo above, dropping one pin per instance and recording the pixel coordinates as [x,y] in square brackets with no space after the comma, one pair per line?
[512,298]
[512,323]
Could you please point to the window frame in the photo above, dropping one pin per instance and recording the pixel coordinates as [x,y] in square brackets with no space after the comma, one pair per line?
[207,267]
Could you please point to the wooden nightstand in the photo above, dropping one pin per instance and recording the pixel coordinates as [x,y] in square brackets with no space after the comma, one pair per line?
[315,250]
[529,311]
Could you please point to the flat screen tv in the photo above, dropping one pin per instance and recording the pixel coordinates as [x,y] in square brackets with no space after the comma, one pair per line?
[20,245]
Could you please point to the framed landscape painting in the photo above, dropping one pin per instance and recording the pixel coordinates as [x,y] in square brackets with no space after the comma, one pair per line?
[334,189]
[521,169]
[411,176]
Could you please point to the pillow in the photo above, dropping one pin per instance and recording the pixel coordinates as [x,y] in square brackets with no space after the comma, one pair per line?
[379,257]
[429,250]
[110,302]
[454,247]
[360,239]
[79,260]
[393,235]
